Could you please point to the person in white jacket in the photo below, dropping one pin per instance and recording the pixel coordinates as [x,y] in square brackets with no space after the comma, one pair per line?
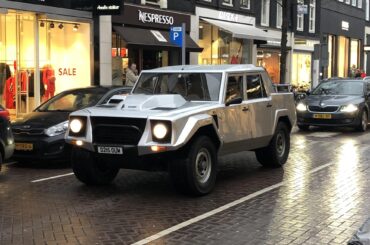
[131,75]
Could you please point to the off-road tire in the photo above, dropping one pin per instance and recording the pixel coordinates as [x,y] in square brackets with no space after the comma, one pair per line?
[276,155]
[199,156]
[362,127]
[90,169]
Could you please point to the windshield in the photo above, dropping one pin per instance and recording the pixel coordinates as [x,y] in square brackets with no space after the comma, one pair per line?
[339,88]
[72,101]
[192,86]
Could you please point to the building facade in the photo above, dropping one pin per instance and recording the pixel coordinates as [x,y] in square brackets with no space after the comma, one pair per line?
[44,49]
[343,34]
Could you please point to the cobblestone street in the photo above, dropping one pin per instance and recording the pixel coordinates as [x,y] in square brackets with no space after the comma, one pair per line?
[321,196]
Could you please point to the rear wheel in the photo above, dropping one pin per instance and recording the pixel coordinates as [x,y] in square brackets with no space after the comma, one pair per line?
[277,152]
[362,127]
[195,172]
[91,170]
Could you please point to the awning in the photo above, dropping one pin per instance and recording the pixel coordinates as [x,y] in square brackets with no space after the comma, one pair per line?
[152,38]
[245,31]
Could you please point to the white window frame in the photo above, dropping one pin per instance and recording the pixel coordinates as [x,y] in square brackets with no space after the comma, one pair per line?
[348,1]
[245,7]
[354,3]
[300,18]
[279,13]
[265,4]
[312,17]
[340,1]
[359,4]
[367,10]
[230,3]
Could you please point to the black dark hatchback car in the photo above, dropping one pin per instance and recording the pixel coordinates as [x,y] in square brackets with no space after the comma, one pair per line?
[336,102]
[39,135]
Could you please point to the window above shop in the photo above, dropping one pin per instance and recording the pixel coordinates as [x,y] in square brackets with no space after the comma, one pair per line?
[160,3]
[312,16]
[245,4]
[300,17]
[279,13]
[227,2]
[265,12]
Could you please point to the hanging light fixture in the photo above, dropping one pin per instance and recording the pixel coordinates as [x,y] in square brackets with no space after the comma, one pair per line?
[42,24]
[61,26]
[52,25]
[75,28]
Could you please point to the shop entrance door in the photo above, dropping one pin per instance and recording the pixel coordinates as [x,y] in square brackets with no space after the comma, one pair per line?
[154,59]
[17,61]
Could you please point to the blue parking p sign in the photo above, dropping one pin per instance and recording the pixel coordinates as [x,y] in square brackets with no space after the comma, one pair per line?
[176,35]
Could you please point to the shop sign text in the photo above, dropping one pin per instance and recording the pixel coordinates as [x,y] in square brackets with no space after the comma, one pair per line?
[67,71]
[228,16]
[146,17]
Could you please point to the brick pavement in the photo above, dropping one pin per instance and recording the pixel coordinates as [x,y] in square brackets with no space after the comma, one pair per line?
[326,207]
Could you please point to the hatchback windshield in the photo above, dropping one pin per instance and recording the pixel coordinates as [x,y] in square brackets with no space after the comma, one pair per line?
[340,88]
[192,86]
[72,101]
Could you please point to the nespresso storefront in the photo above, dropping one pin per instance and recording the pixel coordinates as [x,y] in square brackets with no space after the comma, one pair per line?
[41,54]
[141,35]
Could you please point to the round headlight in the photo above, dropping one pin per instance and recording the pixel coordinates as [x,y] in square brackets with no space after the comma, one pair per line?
[76,126]
[160,131]
[301,107]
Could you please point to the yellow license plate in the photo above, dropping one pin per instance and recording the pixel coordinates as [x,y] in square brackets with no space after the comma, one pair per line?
[322,116]
[23,146]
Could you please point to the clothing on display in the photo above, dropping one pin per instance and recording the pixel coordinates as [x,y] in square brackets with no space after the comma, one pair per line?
[9,93]
[48,79]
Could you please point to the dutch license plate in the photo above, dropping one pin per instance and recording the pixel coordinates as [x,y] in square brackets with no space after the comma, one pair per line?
[110,150]
[322,116]
[24,146]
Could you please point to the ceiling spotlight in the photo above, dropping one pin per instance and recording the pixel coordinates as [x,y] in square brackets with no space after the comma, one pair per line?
[42,24]
[75,28]
[51,25]
[60,26]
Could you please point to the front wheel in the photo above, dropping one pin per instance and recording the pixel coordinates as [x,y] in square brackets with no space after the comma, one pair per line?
[277,152]
[362,127]
[195,172]
[92,170]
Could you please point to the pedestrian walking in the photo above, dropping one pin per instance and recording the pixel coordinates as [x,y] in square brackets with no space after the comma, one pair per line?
[131,75]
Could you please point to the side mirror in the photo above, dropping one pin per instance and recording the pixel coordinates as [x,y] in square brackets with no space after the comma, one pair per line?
[308,92]
[234,101]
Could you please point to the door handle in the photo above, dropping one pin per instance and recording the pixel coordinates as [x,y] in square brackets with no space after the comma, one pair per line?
[269,105]
[245,109]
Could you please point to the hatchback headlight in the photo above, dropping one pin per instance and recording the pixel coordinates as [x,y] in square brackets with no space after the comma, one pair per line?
[349,108]
[58,129]
[301,107]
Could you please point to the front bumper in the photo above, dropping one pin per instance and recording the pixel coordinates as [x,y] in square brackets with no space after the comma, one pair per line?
[338,119]
[44,148]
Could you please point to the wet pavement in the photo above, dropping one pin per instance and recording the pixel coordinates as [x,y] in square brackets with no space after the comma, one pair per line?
[321,196]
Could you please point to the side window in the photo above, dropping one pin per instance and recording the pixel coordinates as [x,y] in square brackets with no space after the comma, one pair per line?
[255,88]
[234,88]
[368,87]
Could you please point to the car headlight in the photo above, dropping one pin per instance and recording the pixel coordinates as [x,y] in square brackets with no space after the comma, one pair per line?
[301,107]
[76,125]
[349,108]
[58,129]
[160,131]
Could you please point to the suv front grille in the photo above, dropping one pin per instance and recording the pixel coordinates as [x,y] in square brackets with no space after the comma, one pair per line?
[33,131]
[123,131]
[323,109]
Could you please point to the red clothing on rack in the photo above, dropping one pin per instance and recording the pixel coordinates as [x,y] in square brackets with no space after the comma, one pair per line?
[9,93]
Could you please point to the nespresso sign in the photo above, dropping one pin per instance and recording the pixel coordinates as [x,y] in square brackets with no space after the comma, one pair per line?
[151,18]
[98,7]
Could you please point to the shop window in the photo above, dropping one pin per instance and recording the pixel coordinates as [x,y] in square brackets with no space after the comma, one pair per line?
[64,56]
[342,60]
[265,12]
[312,16]
[279,13]
[234,88]
[255,88]
[270,60]
[301,73]
[354,56]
